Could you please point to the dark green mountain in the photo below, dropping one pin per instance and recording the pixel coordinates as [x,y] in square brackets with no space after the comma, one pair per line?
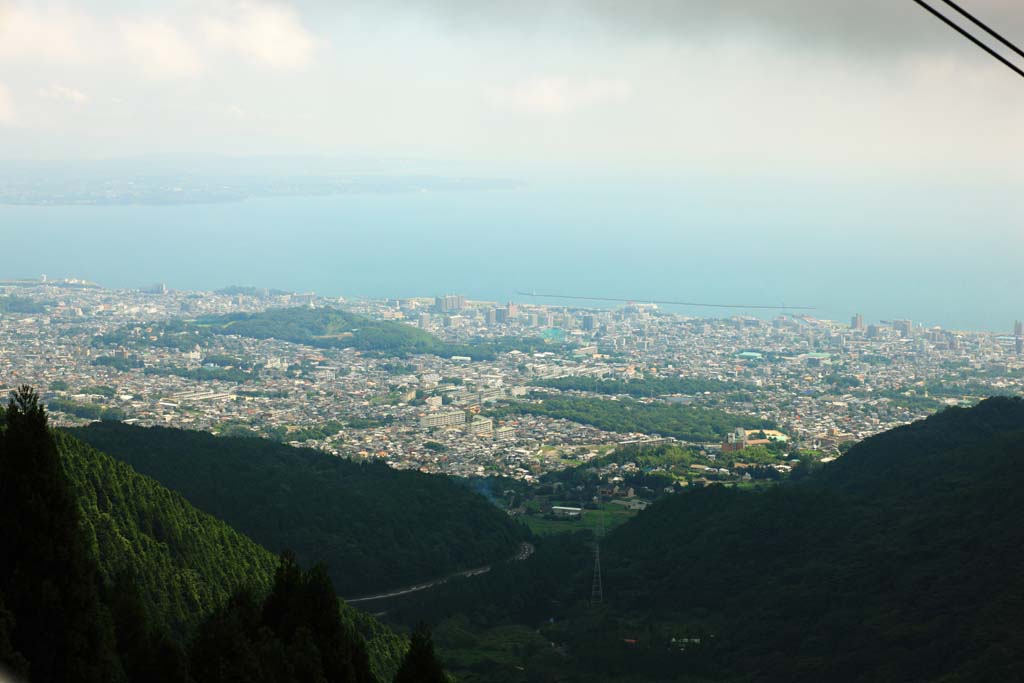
[186,562]
[375,527]
[901,561]
[54,625]
[106,575]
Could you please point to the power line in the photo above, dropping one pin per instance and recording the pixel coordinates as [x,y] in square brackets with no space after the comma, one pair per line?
[984,26]
[966,34]
[666,303]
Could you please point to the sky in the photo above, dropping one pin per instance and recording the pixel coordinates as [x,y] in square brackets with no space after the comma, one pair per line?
[839,153]
[833,88]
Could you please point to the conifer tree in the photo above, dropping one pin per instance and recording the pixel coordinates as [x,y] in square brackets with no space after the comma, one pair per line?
[297,634]
[421,664]
[49,582]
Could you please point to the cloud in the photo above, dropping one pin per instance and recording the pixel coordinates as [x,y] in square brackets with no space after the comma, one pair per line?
[54,33]
[182,40]
[159,48]
[557,95]
[265,34]
[6,107]
[61,93]
[862,28]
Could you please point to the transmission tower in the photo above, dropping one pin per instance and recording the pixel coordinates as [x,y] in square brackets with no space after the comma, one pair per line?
[597,585]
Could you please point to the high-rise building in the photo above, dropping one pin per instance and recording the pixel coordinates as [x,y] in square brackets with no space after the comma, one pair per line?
[492,316]
[449,303]
[874,331]
[1018,329]
[589,323]
[857,322]
[904,327]
[501,315]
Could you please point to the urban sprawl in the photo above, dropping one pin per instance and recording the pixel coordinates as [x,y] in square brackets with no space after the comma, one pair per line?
[820,384]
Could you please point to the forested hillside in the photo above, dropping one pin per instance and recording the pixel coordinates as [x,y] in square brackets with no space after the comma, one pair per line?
[901,561]
[375,527]
[690,423]
[328,328]
[105,575]
[648,386]
[185,562]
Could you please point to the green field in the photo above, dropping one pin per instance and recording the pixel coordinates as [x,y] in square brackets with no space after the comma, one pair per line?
[609,516]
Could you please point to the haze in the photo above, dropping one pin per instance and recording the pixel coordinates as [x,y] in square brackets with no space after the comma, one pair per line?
[876,87]
[845,155]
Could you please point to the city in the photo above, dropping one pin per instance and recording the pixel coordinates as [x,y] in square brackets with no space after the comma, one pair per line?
[553,341]
[820,385]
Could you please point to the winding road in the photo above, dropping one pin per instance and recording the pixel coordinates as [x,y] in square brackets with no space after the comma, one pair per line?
[525,551]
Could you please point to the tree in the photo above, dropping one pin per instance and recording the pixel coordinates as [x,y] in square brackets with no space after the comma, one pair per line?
[50,583]
[147,654]
[297,634]
[421,664]
[11,659]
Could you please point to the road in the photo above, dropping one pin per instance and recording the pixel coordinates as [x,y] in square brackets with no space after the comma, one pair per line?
[525,551]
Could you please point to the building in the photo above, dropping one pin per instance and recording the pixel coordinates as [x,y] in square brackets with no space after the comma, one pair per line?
[1018,329]
[562,511]
[449,303]
[740,438]
[446,418]
[505,433]
[481,426]
[589,323]
[857,323]
[905,328]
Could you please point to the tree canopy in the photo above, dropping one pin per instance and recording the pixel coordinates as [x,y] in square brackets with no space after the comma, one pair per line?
[375,527]
[690,423]
[105,575]
[896,562]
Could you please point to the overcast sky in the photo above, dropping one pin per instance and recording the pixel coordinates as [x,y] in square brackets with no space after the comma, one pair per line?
[862,87]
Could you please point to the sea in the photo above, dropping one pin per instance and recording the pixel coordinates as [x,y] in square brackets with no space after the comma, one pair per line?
[940,256]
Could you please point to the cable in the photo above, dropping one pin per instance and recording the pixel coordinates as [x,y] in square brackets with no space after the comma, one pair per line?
[987,28]
[956,27]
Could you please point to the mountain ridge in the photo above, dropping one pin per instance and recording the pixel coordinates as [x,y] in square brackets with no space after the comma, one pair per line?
[375,527]
[900,561]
